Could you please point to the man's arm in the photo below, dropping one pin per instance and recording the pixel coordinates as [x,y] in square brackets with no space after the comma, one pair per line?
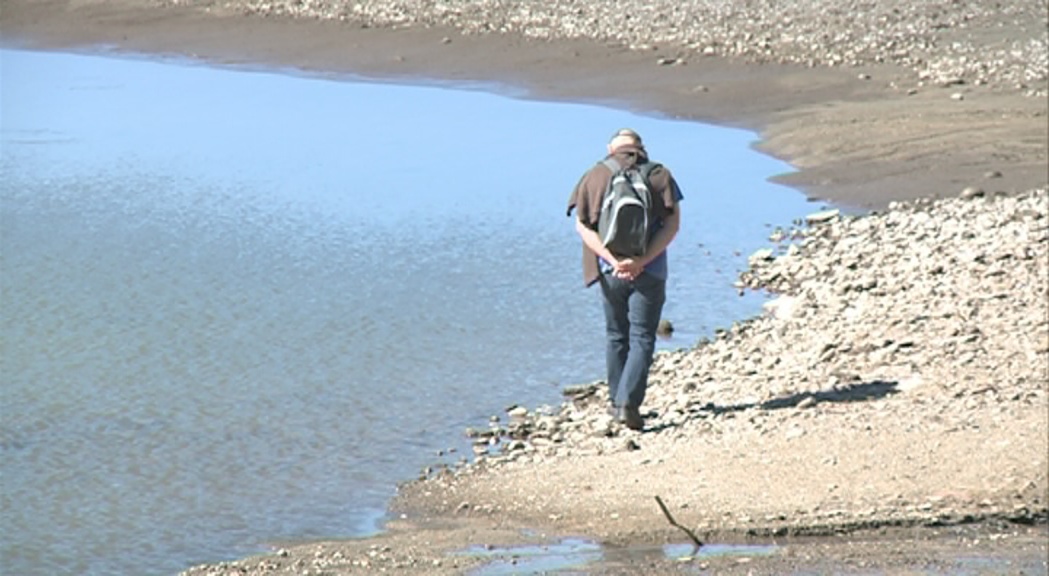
[593,242]
[663,237]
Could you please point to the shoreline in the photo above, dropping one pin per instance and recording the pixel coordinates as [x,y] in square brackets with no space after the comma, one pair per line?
[867,137]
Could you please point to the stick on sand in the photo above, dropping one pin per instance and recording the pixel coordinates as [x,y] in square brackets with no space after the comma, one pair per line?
[663,507]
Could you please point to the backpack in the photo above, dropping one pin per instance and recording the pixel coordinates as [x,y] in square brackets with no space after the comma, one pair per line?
[626,209]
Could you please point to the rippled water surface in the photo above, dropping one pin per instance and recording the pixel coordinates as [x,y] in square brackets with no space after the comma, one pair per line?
[239,306]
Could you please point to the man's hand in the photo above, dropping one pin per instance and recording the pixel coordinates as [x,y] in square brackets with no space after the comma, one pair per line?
[628,269]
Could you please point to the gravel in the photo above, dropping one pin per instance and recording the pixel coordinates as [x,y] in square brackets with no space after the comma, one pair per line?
[1004,45]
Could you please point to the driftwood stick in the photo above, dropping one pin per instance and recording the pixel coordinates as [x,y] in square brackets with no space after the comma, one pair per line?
[663,507]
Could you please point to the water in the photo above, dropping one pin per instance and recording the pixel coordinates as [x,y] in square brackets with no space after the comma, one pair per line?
[686,552]
[240,306]
[577,555]
[566,555]
[583,556]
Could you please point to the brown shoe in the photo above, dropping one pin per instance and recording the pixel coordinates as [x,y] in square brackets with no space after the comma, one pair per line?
[630,417]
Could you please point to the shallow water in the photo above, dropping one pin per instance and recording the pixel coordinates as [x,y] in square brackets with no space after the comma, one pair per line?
[239,306]
[584,556]
[575,555]
[565,555]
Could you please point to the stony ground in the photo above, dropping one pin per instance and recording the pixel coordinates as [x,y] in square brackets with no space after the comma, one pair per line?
[900,377]
[949,295]
[941,41]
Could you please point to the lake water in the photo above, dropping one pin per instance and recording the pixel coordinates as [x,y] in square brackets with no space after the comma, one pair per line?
[240,306]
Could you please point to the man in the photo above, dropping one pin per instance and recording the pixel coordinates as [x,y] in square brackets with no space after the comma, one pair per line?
[633,289]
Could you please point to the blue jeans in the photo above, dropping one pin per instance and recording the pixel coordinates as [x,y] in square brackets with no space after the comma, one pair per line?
[632,311]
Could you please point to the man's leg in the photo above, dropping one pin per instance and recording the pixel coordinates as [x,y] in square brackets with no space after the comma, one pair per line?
[615,295]
[645,308]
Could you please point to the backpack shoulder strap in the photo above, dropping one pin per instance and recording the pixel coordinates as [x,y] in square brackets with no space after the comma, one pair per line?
[611,164]
[647,169]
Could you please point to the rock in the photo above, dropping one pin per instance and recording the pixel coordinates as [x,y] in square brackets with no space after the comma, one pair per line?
[822,217]
[781,308]
[972,192]
[794,432]
[761,255]
[603,425]
[579,391]
[665,328]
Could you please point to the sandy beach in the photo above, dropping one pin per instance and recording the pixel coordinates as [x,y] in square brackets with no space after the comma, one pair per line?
[889,414]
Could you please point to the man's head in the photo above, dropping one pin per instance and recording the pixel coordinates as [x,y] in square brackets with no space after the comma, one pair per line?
[625,139]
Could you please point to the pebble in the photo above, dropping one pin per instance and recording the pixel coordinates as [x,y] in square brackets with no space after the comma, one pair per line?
[808,402]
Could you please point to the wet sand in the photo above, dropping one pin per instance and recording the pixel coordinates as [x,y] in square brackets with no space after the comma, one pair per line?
[860,136]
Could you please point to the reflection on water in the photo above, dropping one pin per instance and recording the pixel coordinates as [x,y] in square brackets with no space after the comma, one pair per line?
[241,306]
[712,550]
[577,555]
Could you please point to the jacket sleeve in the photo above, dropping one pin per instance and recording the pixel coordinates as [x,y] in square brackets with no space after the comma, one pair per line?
[577,199]
[669,193]
[583,199]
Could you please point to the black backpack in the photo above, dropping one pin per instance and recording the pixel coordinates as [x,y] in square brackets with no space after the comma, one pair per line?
[626,209]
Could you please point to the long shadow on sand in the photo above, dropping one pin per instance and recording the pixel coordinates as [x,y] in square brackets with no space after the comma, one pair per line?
[860,392]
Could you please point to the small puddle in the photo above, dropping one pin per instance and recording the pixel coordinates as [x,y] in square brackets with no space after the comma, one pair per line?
[581,556]
[686,551]
[572,554]
[568,554]
[975,565]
